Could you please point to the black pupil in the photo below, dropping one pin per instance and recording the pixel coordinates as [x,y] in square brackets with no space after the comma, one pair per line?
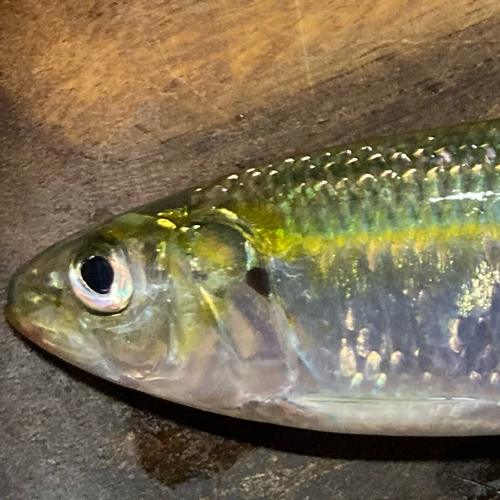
[97,272]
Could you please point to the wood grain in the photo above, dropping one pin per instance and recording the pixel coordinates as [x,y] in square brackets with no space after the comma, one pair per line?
[109,104]
[133,74]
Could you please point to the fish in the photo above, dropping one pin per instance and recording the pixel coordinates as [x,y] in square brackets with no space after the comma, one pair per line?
[353,290]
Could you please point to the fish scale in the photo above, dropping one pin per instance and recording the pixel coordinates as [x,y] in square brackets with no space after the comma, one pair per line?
[352,290]
[406,174]
[421,183]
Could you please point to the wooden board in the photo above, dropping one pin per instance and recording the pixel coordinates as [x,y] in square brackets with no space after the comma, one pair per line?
[108,104]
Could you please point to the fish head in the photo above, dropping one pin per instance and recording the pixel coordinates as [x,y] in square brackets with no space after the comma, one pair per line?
[95,300]
[136,300]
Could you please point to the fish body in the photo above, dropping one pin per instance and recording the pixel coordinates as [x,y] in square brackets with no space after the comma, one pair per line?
[355,290]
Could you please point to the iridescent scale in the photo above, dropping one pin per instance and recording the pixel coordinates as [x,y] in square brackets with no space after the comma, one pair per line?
[385,260]
[356,290]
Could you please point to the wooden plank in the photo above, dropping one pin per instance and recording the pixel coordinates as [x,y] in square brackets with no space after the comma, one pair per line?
[134,74]
[108,104]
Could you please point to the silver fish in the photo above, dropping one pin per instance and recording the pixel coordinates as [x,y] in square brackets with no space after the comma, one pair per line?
[356,290]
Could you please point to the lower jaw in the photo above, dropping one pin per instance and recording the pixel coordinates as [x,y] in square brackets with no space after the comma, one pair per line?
[27,329]
[38,335]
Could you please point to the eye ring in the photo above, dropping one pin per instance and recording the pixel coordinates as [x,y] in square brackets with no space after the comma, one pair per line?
[107,294]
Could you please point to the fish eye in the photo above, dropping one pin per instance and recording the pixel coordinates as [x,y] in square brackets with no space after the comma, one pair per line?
[97,273]
[103,283]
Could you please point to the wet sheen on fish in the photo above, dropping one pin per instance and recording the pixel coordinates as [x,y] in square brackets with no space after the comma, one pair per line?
[356,290]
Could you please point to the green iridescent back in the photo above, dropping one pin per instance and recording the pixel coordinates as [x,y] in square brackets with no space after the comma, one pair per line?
[385,258]
[354,290]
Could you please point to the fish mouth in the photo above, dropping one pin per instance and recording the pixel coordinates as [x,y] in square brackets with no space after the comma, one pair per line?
[25,328]
[50,342]
[66,345]
[11,317]
[11,312]
[21,320]
[14,316]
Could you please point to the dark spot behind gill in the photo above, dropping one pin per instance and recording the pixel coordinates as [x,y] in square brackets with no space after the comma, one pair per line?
[258,279]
